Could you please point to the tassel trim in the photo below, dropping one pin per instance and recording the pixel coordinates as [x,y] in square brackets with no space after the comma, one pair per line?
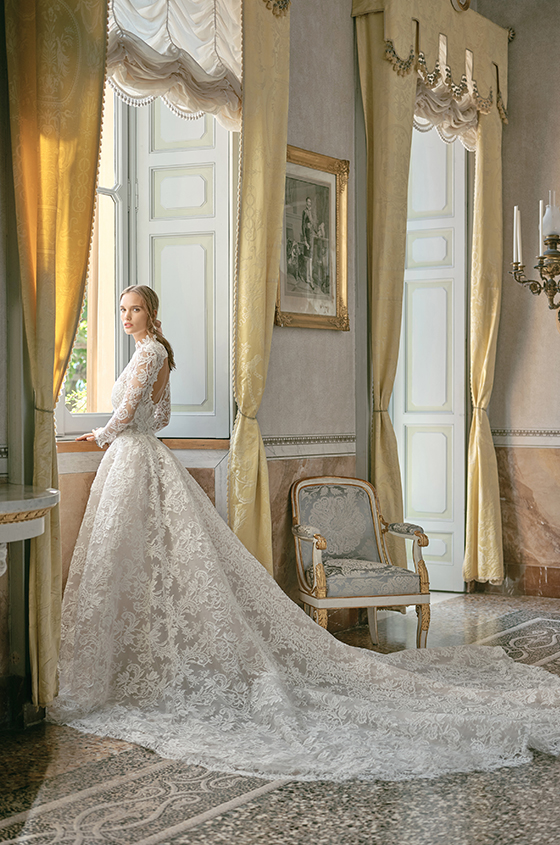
[432,78]
[278,7]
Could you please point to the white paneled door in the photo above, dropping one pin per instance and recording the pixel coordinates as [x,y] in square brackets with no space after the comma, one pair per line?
[183,208]
[430,388]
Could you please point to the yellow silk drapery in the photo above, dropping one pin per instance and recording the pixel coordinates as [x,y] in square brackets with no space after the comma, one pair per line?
[266,44]
[471,58]
[56,58]
[483,552]
[388,109]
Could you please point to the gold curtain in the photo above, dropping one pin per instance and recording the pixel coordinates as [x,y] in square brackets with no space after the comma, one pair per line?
[56,56]
[388,100]
[406,35]
[483,552]
[266,47]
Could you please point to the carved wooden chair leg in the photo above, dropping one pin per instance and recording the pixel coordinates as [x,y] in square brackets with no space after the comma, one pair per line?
[321,616]
[372,622]
[423,613]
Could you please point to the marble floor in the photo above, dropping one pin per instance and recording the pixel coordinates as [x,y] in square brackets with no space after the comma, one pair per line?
[60,786]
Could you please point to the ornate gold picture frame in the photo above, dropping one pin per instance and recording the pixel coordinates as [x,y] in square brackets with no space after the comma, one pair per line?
[313,282]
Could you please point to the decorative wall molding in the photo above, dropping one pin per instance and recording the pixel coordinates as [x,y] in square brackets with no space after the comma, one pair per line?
[309,445]
[309,438]
[527,437]
[276,448]
[525,432]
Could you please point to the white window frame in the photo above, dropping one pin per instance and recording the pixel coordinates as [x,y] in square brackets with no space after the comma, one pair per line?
[124,193]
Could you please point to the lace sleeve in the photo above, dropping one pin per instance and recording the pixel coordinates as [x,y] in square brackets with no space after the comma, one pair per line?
[162,413]
[145,366]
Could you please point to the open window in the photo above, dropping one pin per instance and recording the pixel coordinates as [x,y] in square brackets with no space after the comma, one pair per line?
[163,218]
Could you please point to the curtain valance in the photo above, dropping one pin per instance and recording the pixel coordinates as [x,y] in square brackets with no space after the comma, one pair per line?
[187,53]
[453,118]
[462,51]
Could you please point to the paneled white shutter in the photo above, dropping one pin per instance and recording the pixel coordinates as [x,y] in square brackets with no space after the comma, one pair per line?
[430,387]
[182,249]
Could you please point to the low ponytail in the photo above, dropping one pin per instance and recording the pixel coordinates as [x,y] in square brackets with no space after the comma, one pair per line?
[156,329]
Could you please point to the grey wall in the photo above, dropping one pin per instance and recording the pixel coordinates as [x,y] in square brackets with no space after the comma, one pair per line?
[310,385]
[526,393]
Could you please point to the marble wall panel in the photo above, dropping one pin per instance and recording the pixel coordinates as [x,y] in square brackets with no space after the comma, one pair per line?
[74,493]
[530,502]
[282,474]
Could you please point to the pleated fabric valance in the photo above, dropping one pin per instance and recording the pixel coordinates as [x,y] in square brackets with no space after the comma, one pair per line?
[460,59]
[187,53]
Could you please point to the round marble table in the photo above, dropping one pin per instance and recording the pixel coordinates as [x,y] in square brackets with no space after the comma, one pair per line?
[22,514]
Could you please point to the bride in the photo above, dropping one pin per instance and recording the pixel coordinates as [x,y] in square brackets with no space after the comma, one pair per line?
[176,638]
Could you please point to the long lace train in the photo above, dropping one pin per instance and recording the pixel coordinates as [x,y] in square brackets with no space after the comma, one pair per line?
[175,637]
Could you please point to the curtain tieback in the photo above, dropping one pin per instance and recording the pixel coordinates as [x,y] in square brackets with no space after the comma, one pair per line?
[478,408]
[380,411]
[44,410]
[247,416]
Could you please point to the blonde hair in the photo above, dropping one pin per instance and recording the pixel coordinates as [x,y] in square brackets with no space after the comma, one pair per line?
[151,302]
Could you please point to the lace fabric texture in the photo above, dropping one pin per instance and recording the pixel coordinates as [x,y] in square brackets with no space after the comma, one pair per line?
[176,638]
[132,395]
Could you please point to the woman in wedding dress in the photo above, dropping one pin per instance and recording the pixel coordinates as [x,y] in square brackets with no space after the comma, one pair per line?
[176,638]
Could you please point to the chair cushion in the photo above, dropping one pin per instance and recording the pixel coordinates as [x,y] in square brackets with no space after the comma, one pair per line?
[349,577]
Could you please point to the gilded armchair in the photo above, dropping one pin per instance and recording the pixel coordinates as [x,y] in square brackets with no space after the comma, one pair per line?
[342,558]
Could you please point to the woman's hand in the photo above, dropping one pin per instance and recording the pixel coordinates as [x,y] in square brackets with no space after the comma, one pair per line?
[89,436]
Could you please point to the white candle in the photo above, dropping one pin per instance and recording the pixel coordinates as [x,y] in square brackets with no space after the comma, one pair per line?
[554,198]
[541,215]
[519,247]
[515,234]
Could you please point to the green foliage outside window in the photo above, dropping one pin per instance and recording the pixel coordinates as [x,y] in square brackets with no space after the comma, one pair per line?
[76,377]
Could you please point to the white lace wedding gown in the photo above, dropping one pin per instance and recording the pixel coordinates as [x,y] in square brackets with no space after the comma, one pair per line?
[175,637]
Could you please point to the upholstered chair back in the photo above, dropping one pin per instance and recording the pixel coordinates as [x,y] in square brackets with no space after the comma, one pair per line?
[344,513]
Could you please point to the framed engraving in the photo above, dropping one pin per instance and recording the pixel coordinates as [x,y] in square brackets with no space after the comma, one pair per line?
[313,283]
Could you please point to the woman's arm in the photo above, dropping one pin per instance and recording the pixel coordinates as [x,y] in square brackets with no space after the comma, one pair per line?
[146,364]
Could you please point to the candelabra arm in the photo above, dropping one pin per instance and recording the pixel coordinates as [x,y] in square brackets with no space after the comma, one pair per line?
[518,274]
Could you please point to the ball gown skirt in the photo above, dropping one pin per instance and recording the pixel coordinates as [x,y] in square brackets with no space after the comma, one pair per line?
[174,637]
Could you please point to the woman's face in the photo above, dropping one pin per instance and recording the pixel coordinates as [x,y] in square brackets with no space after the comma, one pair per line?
[134,315]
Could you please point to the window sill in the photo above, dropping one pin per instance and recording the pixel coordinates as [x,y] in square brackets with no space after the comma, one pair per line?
[66,446]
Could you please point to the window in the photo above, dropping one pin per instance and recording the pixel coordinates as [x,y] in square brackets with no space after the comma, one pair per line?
[163,218]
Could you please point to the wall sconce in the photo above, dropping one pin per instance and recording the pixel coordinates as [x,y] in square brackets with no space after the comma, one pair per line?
[549,254]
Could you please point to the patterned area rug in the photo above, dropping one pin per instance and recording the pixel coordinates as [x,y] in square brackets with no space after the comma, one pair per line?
[137,797]
[536,642]
[133,797]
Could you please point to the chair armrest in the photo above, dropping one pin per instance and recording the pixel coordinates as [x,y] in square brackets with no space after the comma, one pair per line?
[408,530]
[415,533]
[307,532]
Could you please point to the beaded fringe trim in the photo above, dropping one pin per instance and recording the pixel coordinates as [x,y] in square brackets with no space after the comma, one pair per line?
[501,108]
[432,78]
